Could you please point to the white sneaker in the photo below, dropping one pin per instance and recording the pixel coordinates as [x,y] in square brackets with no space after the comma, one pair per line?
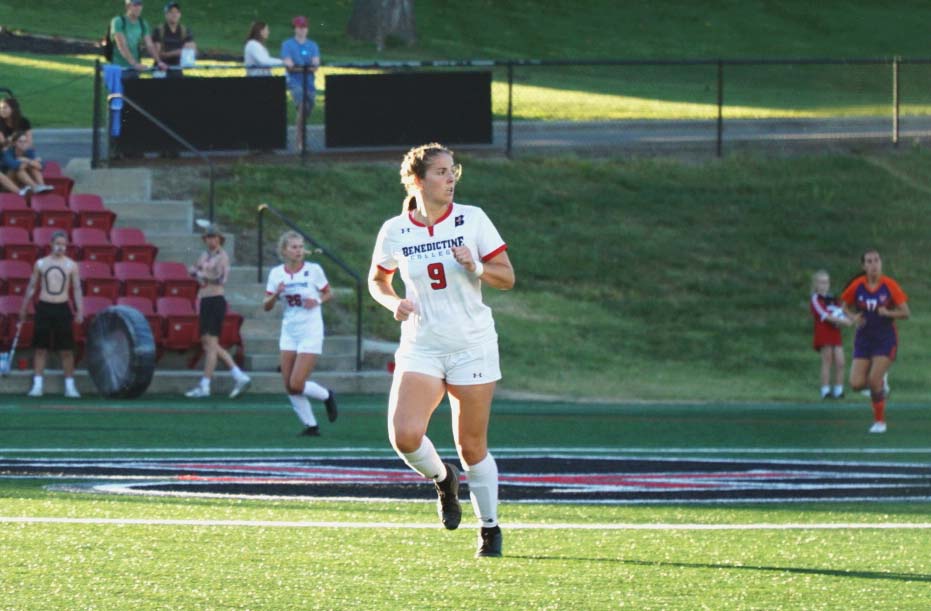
[25,190]
[72,393]
[44,188]
[878,427]
[35,392]
[242,385]
[197,392]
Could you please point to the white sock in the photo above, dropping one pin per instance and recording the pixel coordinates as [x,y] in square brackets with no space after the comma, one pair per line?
[838,390]
[205,383]
[37,381]
[315,391]
[69,382]
[302,408]
[238,375]
[425,460]
[825,391]
[483,489]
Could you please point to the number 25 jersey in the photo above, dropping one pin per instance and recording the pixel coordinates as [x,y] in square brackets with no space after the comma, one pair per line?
[449,314]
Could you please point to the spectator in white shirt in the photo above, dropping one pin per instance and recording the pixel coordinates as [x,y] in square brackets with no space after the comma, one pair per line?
[255,55]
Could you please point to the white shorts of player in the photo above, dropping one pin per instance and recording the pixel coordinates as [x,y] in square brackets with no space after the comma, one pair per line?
[303,340]
[475,365]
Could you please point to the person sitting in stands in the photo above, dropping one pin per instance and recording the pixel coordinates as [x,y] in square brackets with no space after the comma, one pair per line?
[23,166]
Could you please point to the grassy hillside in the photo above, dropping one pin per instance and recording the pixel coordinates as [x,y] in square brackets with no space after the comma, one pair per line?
[650,278]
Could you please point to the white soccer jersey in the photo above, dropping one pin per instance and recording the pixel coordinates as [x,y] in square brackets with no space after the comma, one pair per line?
[449,314]
[308,281]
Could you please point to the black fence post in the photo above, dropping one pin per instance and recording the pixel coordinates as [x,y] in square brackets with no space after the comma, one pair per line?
[261,239]
[510,109]
[720,137]
[895,100]
[95,139]
[303,112]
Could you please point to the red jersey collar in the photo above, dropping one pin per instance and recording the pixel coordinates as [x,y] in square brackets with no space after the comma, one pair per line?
[295,271]
[446,214]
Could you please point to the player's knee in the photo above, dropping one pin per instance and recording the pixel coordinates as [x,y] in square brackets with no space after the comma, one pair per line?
[406,440]
[295,388]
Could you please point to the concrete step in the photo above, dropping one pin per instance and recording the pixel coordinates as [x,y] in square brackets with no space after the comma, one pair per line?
[162,216]
[112,184]
[176,382]
[183,246]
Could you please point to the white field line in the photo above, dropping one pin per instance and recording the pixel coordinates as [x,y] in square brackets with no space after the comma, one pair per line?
[498,451]
[509,526]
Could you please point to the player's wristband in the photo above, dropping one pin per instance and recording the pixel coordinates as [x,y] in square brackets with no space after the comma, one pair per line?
[479,269]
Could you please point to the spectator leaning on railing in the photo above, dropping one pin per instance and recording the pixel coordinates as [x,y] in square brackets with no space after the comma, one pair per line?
[298,52]
[172,38]
[255,56]
[127,33]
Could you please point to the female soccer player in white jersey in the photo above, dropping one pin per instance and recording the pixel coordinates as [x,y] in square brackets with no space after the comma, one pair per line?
[444,251]
[302,288]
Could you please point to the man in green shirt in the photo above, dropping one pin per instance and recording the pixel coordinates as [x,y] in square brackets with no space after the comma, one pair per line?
[127,33]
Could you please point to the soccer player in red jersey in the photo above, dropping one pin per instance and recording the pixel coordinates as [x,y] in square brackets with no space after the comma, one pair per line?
[874,302]
[829,318]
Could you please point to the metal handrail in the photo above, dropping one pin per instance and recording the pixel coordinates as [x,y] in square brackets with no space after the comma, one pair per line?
[177,138]
[323,250]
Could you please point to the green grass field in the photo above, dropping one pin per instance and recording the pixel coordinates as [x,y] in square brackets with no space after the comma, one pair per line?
[70,550]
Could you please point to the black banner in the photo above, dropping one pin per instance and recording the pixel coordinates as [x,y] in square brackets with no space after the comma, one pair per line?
[210,113]
[407,109]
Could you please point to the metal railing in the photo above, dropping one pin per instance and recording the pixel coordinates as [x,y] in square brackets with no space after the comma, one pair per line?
[262,209]
[178,139]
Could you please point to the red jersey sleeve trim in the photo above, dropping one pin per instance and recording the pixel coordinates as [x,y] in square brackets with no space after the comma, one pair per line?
[494,253]
[386,270]
[325,287]
[817,307]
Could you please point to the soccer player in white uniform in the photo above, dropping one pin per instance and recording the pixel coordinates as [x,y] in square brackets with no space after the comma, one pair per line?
[301,287]
[444,251]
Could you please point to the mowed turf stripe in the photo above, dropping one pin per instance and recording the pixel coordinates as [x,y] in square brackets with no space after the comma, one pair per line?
[508,526]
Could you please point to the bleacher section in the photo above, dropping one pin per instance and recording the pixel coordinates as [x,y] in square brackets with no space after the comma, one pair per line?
[117,265]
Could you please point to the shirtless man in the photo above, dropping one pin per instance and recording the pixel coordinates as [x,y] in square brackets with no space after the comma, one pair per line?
[56,274]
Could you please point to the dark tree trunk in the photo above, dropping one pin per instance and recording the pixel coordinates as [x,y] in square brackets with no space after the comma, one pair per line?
[376,20]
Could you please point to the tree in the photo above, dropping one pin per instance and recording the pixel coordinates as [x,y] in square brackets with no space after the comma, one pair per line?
[376,20]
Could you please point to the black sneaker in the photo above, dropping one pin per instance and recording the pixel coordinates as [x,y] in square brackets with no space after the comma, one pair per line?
[311,431]
[331,409]
[489,543]
[447,502]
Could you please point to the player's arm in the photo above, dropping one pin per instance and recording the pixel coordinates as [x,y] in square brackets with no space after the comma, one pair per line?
[900,311]
[382,291]
[30,291]
[271,297]
[326,294]
[78,295]
[496,272]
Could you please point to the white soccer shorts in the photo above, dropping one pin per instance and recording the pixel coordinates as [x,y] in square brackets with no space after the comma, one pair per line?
[475,365]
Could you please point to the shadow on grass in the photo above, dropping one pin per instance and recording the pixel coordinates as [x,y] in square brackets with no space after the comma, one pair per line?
[891,576]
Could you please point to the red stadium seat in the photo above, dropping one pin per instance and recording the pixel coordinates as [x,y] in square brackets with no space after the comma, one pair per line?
[14,277]
[9,316]
[97,280]
[133,246]
[16,244]
[136,279]
[52,211]
[91,212]
[42,238]
[61,185]
[174,280]
[51,169]
[145,307]
[15,213]
[94,245]
[180,323]
[92,305]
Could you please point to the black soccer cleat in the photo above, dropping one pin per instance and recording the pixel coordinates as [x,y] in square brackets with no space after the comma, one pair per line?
[311,431]
[489,543]
[331,410]
[447,502]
